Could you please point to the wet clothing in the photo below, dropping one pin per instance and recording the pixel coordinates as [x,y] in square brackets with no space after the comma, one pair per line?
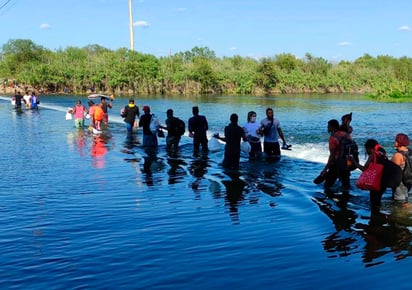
[34,101]
[149,139]
[173,137]
[400,193]
[79,111]
[336,172]
[375,197]
[105,107]
[18,99]
[91,114]
[27,99]
[233,136]
[98,113]
[271,145]
[131,111]
[270,129]
[198,126]
[253,138]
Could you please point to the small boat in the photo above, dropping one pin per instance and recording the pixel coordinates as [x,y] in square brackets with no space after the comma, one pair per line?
[99,96]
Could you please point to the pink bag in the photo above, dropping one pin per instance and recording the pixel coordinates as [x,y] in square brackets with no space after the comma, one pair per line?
[370,179]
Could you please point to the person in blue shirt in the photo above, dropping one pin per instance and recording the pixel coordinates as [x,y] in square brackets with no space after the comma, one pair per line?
[34,101]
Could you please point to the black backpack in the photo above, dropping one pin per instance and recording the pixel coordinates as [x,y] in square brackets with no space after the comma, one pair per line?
[347,146]
[392,174]
[407,171]
[179,126]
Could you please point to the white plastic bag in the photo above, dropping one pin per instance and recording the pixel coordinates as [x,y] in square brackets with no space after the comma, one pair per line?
[154,124]
[68,116]
[245,146]
[214,145]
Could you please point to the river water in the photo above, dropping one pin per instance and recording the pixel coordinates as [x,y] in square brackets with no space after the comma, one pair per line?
[84,211]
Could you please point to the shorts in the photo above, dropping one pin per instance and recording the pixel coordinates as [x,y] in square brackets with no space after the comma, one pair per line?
[79,123]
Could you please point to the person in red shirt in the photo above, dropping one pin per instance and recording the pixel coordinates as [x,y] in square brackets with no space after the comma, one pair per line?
[332,172]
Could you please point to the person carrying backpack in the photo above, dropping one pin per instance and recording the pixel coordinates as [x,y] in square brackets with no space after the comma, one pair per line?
[149,135]
[334,168]
[402,157]
[175,129]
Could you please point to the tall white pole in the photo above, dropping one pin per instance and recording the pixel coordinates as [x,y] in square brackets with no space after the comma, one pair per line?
[131,26]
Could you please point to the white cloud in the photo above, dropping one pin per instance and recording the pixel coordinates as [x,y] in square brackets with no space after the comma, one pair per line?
[141,23]
[45,26]
[404,28]
[233,48]
[181,9]
[344,43]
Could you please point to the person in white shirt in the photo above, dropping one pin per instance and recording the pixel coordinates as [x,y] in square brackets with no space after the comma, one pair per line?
[252,130]
[27,97]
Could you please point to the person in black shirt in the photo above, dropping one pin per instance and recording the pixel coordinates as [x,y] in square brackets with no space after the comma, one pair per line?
[149,137]
[18,98]
[173,136]
[233,135]
[198,127]
[129,113]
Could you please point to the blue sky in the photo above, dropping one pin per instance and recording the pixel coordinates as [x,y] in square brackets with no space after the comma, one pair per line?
[332,29]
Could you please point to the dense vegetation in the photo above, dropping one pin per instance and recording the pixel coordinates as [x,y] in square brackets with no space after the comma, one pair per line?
[199,71]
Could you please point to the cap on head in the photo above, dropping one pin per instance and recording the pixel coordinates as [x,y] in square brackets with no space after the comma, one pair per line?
[146,109]
[402,139]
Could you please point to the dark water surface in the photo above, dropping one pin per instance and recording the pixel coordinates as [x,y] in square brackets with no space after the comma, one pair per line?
[85,211]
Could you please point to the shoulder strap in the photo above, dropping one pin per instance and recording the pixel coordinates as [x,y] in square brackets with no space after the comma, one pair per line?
[337,137]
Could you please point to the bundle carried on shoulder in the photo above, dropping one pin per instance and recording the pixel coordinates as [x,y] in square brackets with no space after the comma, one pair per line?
[154,124]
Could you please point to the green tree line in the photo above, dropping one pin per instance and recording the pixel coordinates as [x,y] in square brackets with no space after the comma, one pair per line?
[199,71]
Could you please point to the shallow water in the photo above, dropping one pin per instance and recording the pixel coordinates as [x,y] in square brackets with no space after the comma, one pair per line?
[86,211]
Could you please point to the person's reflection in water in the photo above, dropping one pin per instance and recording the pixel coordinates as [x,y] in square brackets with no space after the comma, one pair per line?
[335,207]
[80,142]
[234,194]
[129,147]
[383,234]
[98,150]
[198,168]
[130,143]
[263,178]
[176,171]
[151,163]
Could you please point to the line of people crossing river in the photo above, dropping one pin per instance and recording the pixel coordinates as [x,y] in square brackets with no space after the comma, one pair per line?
[261,140]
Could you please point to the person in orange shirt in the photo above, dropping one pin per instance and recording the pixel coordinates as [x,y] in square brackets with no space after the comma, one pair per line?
[92,108]
[98,117]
